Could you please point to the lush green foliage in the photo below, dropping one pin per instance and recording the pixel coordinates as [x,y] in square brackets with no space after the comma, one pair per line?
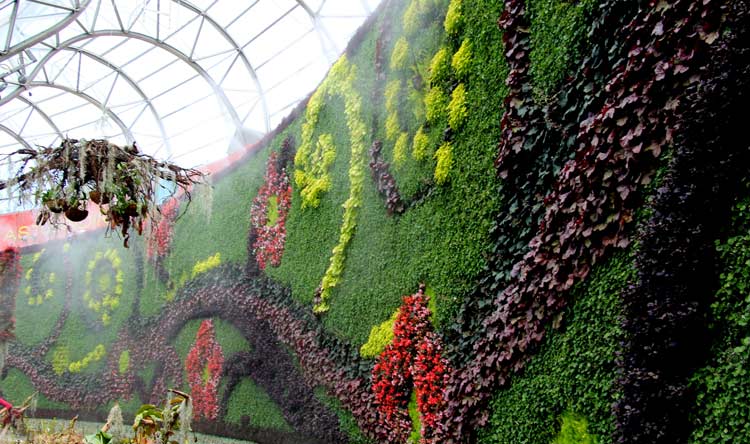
[574,369]
[249,400]
[558,39]
[426,84]
[723,385]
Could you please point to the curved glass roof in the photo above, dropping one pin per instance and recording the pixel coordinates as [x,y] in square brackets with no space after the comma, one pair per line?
[188,81]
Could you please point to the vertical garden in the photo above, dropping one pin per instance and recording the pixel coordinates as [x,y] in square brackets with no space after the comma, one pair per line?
[492,222]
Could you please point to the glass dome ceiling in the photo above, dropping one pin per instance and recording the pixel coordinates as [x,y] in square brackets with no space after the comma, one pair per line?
[189,81]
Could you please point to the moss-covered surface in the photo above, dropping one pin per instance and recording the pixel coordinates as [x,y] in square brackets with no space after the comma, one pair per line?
[249,400]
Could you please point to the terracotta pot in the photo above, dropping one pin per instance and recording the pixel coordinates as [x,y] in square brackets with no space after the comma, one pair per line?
[76,214]
[95,196]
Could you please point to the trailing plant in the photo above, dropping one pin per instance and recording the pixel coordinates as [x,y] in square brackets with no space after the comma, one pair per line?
[121,181]
[384,181]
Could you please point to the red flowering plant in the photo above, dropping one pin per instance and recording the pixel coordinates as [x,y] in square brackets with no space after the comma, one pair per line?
[430,372]
[10,276]
[204,364]
[268,214]
[411,361]
[162,232]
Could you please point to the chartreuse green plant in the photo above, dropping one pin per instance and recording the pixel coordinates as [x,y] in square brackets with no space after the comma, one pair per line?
[341,82]
[420,144]
[205,265]
[574,429]
[380,336]
[435,103]
[123,363]
[454,19]
[93,356]
[457,109]
[416,423]
[400,54]
[461,61]
[440,66]
[444,157]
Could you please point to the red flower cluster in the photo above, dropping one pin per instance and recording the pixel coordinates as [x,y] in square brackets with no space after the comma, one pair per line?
[411,360]
[10,276]
[204,364]
[162,233]
[269,243]
[430,372]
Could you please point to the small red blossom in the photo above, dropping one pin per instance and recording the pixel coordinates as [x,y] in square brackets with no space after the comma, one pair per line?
[162,233]
[204,364]
[412,361]
[270,237]
[10,276]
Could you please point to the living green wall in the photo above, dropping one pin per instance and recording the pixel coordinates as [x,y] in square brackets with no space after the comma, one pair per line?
[483,226]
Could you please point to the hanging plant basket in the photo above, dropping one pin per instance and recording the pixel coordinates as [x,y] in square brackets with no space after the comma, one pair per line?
[121,181]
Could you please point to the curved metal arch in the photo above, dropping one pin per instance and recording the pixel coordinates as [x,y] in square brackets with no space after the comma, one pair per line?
[44,115]
[16,136]
[240,54]
[112,115]
[129,80]
[33,40]
[322,32]
[139,36]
